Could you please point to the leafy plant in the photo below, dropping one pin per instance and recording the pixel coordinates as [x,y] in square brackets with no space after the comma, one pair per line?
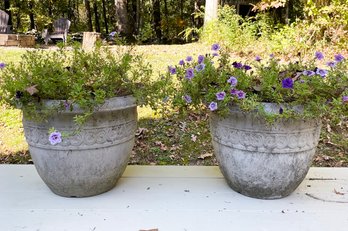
[300,89]
[75,78]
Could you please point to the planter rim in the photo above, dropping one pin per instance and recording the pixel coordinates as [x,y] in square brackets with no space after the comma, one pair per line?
[271,108]
[110,104]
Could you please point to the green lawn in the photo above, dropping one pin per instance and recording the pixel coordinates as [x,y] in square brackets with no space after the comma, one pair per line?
[171,140]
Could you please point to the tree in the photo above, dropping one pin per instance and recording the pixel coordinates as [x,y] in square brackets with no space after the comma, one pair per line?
[122,17]
[157,18]
[211,7]
[89,15]
[7,7]
[96,16]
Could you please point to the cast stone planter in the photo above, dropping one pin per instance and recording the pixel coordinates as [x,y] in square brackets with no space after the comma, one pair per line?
[90,162]
[260,160]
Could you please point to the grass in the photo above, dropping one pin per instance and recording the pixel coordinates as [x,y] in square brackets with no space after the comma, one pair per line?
[168,140]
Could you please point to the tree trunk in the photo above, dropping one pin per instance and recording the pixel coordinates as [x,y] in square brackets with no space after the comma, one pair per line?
[7,7]
[137,17]
[122,18]
[210,13]
[89,15]
[105,17]
[157,18]
[166,15]
[96,16]
[31,15]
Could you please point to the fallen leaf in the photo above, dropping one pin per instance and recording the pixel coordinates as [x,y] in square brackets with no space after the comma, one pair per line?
[148,230]
[32,90]
[338,193]
[205,155]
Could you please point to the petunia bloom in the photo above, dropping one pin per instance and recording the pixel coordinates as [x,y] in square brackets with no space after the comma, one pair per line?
[345,99]
[339,58]
[113,33]
[234,91]
[308,73]
[213,106]
[288,83]
[258,58]
[189,58]
[189,73]
[237,65]
[215,47]
[319,55]
[246,67]
[200,59]
[232,80]
[55,138]
[331,64]
[321,72]
[200,67]
[187,98]
[172,70]
[220,95]
[241,94]
[2,65]
[182,62]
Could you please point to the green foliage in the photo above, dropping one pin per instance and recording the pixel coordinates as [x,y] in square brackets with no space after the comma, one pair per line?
[298,88]
[76,79]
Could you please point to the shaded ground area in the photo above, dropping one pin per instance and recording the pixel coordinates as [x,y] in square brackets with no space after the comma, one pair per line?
[186,141]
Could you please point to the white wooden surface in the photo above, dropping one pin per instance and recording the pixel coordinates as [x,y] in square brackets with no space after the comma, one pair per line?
[172,198]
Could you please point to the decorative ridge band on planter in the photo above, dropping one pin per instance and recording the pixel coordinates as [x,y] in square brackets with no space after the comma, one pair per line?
[85,139]
[266,141]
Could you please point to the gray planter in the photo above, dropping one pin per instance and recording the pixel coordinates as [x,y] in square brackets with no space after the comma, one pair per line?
[261,160]
[90,162]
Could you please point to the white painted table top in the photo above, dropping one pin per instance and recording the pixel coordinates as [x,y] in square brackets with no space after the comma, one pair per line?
[172,198]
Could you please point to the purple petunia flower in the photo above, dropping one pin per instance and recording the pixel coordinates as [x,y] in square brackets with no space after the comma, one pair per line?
[339,58]
[113,33]
[241,94]
[319,55]
[215,54]
[187,98]
[321,72]
[189,73]
[345,99]
[234,91]
[331,64]
[288,83]
[220,95]
[172,70]
[67,105]
[2,65]
[237,65]
[246,67]
[200,59]
[55,138]
[232,80]
[200,67]
[213,106]
[281,110]
[188,58]
[258,58]
[308,73]
[182,62]
[215,47]
[271,56]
